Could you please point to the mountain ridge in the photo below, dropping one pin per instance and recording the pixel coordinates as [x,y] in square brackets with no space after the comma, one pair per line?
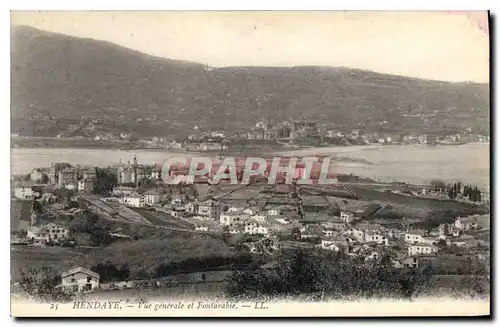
[68,77]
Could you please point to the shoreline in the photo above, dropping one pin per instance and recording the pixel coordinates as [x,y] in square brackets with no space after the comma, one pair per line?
[281,150]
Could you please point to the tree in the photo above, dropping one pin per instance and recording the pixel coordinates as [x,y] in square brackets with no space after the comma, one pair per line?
[452,193]
[295,233]
[100,236]
[442,243]
[109,272]
[41,283]
[44,179]
[386,260]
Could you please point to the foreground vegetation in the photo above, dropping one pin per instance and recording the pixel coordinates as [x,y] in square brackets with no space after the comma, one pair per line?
[317,275]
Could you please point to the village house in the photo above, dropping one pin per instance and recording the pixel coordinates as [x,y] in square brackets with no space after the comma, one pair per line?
[235,209]
[178,211]
[329,232]
[329,244]
[49,232]
[37,234]
[274,212]
[67,176]
[413,237]
[346,217]
[251,211]
[201,228]
[134,200]
[235,229]
[90,173]
[209,208]
[86,185]
[311,231]
[55,169]
[372,256]
[259,218]
[421,248]
[357,234]
[123,191]
[405,262]
[281,219]
[410,262]
[80,280]
[466,223]
[377,238]
[232,217]
[460,244]
[191,207]
[152,197]
[422,138]
[24,193]
[254,228]
[335,223]
[429,240]
[177,201]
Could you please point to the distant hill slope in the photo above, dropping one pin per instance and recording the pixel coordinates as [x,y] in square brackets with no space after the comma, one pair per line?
[64,76]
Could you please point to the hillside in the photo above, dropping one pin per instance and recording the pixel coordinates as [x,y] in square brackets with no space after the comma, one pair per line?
[68,77]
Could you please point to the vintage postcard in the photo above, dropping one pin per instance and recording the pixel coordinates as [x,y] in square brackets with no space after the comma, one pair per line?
[250,164]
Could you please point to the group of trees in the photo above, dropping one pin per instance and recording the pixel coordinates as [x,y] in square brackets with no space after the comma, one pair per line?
[202,264]
[90,223]
[41,283]
[109,272]
[106,179]
[472,192]
[317,275]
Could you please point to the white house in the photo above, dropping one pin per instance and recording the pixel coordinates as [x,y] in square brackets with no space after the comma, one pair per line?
[359,235]
[178,211]
[413,238]
[134,200]
[329,245]
[251,211]
[258,217]
[229,218]
[460,244]
[346,217]
[49,232]
[234,209]
[37,234]
[80,280]
[429,240]
[374,255]
[465,223]
[329,232]
[71,185]
[86,185]
[152,197]
[25,193]
[274,212]
[377,238]
[256,228]
[421,249]
[201,228]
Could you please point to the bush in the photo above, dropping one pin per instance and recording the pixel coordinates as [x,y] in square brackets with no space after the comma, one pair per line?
[40,283]
[201,264]
[301,273]
[109,272]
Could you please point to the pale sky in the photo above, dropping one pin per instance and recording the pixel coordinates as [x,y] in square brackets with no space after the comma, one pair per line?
[431,45]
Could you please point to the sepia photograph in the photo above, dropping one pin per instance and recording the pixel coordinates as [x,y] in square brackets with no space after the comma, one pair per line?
[250,163]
